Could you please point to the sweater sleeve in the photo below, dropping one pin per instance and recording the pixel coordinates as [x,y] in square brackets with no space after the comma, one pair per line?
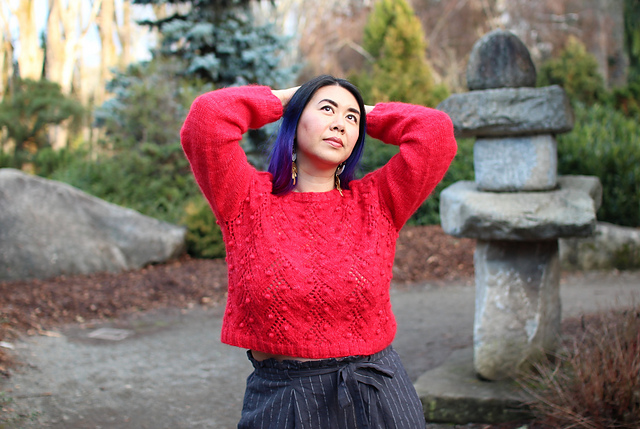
[426,148]
[210,137]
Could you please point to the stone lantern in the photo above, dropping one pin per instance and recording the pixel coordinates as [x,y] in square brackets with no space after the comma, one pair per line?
[517,207]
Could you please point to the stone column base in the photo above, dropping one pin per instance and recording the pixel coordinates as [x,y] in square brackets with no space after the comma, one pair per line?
[518,305]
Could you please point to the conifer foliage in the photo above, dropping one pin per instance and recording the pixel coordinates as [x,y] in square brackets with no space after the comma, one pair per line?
[221,44]
[399,71]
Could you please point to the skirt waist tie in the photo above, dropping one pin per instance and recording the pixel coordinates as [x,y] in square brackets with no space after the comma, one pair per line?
[350,375]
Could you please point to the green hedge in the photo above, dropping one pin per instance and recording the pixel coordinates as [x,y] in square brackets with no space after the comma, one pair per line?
[606,143]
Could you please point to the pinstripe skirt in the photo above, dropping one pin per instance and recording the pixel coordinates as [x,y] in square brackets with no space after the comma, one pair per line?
[351,393]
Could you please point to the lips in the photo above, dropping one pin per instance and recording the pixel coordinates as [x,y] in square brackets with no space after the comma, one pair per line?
[334,141]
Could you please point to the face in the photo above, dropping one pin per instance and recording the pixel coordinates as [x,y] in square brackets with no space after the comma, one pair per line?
[328,129]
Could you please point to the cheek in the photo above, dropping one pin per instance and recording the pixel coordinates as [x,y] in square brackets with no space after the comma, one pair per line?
[305,129]
[353,138]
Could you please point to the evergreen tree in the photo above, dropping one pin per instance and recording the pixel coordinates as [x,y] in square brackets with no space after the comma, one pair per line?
[576,70]
[400,71]
[27,110]
[149,104]
[220,43]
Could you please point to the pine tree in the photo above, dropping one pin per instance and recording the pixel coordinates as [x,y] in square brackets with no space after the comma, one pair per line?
[27,110]
[400,71]
[220,43]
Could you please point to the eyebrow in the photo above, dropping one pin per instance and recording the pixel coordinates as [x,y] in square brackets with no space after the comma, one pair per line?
[333,103]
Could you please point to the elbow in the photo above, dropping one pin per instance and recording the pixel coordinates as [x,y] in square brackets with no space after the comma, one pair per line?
[185,137]
[191,125]
[449,143]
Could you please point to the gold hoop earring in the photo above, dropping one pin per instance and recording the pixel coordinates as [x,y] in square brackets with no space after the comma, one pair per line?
[339,171]
[294,169]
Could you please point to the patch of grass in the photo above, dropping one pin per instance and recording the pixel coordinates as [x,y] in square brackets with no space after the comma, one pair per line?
[593,382]
[7,413]
[10,415]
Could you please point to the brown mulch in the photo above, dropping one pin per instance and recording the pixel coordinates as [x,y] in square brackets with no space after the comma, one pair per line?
[35,306]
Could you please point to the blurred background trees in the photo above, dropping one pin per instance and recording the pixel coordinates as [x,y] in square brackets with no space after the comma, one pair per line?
[93,92]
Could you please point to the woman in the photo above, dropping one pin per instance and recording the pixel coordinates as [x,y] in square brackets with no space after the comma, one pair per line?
[310,249]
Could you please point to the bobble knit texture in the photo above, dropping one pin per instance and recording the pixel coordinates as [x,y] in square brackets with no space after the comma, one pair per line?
[309,273]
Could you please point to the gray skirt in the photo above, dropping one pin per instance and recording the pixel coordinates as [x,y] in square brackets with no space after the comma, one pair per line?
[351,393]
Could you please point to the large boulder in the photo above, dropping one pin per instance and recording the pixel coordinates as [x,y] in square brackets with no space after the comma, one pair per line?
[49,229]
[610,247]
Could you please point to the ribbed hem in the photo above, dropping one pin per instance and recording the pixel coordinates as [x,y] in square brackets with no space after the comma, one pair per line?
[310,351]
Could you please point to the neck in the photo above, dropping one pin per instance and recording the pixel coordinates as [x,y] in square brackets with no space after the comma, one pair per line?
[307,183]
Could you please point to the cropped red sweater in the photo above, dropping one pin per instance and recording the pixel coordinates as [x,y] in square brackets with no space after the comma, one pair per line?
[309,273]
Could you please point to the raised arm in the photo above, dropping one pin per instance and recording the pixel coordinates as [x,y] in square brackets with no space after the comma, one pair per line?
[211,135]
[427,147]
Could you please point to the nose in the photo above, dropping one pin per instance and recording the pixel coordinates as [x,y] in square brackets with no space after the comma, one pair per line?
[338,125]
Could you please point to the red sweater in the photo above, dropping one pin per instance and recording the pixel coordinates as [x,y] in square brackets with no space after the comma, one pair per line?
[309,273]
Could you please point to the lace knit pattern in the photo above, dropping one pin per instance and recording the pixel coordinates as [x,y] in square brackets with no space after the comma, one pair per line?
[309,273]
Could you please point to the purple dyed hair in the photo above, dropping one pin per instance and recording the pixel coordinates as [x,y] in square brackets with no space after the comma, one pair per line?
[280,158]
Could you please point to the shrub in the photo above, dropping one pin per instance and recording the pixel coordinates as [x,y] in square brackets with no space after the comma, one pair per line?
[398,69]
[576,70]
[627,99]
[594,381]
[606,144]
[26,112]
[6,160]
[204,237]
[154,180]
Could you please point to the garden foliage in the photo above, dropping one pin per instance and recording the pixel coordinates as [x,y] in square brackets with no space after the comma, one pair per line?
[576,71]
[593,382]
[204,237]
[26,111]
[605,143]
[219,42]
[149,104]
[140,163]
[399,70]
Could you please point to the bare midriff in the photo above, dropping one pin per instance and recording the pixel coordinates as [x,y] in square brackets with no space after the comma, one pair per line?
[260,356]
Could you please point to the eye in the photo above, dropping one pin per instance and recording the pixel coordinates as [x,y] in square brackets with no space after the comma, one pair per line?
[327,108]
[353,118]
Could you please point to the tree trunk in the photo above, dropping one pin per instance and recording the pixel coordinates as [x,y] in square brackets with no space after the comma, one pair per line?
[63,44]
[31,55]
[124,33]
[106,20]
[55,49]
[6,53]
